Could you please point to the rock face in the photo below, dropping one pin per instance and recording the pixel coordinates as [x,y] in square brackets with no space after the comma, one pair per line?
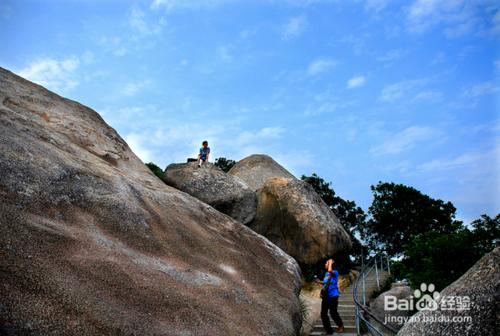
[401,292]
[293,216]
[92,243]
[254,170]
[210,184]
[481,283]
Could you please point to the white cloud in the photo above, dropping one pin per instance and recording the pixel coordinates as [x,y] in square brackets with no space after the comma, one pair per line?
[405,140]
[138,22]
[56,75]
[463,160]
[456,17]
[115,44]
[294,27]
[356,82]
[428,95]
[187,4]
[400,90]
[376,5]
[132,88]
[136,143]
[324,102]
[320,66]
[224,53]
[391,55]
[482,89]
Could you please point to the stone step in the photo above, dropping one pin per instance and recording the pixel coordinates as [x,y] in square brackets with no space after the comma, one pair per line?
[319,333]
[347,329]
[346,319]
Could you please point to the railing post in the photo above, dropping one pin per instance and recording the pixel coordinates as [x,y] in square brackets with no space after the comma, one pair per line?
[376,272]
[364,297]
[388,265]
[357,321]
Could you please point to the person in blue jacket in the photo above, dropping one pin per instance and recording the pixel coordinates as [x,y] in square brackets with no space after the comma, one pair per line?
[204,153]
[331,301]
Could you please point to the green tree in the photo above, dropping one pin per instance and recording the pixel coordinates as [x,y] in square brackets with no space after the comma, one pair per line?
[437,258]
[398,213]
[155,169]
[486,232]
[224,164]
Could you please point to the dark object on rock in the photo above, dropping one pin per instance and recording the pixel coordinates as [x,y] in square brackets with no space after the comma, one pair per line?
[293,216]
[255,169]
[210,184]
[92,243]
[191,160]
[480,284]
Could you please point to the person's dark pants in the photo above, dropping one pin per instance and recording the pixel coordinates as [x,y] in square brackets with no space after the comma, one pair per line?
[331,304]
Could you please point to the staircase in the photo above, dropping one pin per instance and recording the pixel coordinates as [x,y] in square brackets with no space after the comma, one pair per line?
[347,307]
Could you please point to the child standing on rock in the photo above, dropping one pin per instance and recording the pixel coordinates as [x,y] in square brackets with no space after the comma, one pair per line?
[204,153]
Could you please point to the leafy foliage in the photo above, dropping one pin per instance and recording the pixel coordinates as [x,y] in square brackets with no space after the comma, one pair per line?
[399,212]
[437,258]
[224,164]
[155,169]
[486,232]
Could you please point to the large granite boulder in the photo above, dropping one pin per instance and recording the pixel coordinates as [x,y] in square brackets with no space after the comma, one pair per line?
[210,184]
[92,243]
[400,291]
[481,285]
[255,169]
[294,217]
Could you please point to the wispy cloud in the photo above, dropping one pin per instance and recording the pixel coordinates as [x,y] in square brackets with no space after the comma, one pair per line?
[400,90]
[294,27]
[137,144]
[187,4]
[224,53]
[457,17]
[405,140]
[320,66]
[139,23]
[56,75]
[391,55]
[132,88]
[463,160]
[428,95]
[114,44]
[481,89]
[356,82]
[376,5]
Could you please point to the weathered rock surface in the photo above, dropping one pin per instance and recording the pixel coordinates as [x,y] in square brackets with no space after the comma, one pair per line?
[293,216]
[210,184]
[255,169]
[92,243]
[481,283]
[399,291]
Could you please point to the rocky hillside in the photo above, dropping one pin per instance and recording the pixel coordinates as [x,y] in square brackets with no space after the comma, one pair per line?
[92,243]
[480,286]
[284,209]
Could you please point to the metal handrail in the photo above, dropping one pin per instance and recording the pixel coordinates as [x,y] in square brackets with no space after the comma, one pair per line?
[360,307]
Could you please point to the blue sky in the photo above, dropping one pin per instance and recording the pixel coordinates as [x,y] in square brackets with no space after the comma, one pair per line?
[356,91]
